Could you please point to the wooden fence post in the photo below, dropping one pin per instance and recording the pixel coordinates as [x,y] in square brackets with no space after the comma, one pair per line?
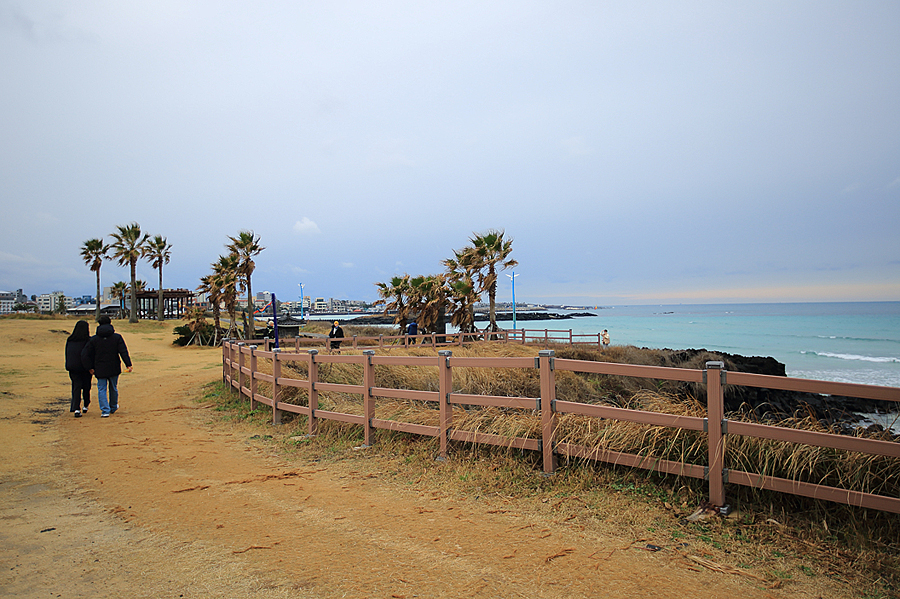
[253,364]
[715,409]
[445,387]
[226,354]
[548,416]
[240,370]
[230,364]
[276,372]
[368,398]
[313,394]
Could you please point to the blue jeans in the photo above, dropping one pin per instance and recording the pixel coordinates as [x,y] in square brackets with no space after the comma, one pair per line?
[108,406]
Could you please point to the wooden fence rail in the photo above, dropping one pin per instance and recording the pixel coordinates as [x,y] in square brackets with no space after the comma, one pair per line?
[241,372]
[547,337]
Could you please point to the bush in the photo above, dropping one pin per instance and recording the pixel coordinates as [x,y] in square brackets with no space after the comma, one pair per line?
[205,335]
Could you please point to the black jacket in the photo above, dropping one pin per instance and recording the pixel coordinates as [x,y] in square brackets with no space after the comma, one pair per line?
[73,356]
[102,353]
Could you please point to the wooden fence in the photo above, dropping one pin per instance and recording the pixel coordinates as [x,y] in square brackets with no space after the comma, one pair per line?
[241,371]
[547,337]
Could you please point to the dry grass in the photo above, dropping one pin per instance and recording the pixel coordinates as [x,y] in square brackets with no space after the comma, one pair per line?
[823,538]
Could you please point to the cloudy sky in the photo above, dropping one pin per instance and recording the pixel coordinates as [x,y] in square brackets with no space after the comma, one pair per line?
[635,152]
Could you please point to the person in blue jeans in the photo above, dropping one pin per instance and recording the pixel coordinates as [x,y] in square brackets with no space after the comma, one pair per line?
[101,357]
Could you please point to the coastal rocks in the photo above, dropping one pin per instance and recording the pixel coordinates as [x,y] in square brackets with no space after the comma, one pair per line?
[481,317]
[508,316]
[833,412]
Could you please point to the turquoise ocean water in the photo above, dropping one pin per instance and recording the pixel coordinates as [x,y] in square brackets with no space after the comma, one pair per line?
[853,342]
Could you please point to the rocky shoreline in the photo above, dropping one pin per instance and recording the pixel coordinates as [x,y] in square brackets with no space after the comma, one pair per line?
[381,319]
[837,413]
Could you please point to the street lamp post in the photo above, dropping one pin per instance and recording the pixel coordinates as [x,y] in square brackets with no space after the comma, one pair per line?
[512,277]
[301,300]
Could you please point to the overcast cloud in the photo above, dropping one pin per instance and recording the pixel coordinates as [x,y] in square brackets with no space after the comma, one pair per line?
[635,152]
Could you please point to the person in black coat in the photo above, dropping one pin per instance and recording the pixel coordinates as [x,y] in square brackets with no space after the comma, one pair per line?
[336,333]
[81,376]
[101,357]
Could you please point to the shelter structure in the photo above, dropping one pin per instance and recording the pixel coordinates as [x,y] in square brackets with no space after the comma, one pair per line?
[287,327]
[175,303]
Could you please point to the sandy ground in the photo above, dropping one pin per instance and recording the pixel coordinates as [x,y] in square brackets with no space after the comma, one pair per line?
[163,499]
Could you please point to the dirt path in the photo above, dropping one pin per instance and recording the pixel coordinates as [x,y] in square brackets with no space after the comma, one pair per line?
[163,500]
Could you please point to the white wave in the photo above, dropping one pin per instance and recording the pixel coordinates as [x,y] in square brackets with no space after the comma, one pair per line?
[890,421]
[878,359]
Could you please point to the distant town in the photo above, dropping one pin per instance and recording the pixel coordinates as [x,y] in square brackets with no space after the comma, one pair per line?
[57,302]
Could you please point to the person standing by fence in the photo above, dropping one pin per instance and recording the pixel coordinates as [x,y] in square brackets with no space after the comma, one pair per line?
[412,330]
[336,333]
[80,376]
[101,357]
[604,336]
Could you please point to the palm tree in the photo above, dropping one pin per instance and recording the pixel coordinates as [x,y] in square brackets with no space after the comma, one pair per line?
[120,290]
[397,291]
[245,246]
[93,251]
[462,292]
[196,318]
[209,285]
[157,253]
[127,249]
[428,299]
[489,253]
[225,279]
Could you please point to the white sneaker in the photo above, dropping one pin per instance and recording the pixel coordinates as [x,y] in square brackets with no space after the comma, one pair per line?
[104,415]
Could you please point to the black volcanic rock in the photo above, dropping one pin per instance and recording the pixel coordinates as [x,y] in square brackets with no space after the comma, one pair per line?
[776,404]
[508,316]
[479,317]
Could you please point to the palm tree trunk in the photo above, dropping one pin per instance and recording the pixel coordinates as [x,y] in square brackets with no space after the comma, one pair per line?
[133,318]
[251,334]
[492,295]
[160,316]
[218,324]
[97,310]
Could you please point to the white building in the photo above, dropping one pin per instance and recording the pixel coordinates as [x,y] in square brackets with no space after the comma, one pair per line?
[48,302]
[262,299]
[8,299]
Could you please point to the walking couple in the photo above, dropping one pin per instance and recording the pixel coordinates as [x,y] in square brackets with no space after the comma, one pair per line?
[97,356]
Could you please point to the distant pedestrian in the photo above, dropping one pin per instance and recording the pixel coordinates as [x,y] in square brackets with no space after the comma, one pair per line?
[605,338]
[412,329]
[101,357]
[80,376]
[336,333]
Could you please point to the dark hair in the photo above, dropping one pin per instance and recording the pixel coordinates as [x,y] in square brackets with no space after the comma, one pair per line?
[104,319]
[81,331]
